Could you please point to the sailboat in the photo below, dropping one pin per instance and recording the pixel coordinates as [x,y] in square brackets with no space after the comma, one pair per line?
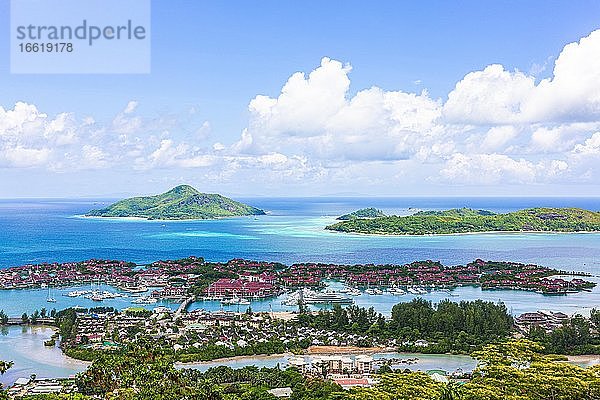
[50,299]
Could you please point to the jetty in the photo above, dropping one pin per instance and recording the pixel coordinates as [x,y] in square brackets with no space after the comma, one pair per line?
[183,306]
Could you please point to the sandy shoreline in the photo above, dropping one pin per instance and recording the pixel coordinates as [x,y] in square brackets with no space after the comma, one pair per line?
[235,358]
[463,233]
[311,351]
[330,350]
[585,358]
[144,219]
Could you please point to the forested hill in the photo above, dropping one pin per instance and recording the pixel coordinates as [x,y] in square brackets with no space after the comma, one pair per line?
[362,213]
[181,202]
[466,220]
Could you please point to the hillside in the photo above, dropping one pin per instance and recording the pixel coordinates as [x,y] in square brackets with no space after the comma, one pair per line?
[179,203]
[362,213]
[466,220]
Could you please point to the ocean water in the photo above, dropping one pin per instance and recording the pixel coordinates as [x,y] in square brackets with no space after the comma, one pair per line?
[25,347]
[33,231]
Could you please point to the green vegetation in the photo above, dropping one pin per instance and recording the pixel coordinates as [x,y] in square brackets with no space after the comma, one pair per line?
[363,213]
[181,202]
[466,220]
[145,373]
[4,366]
[514,370]
[577,335]
[446,327]
[510,370]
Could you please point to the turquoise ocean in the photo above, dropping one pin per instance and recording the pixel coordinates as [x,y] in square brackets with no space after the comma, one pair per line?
[35,231]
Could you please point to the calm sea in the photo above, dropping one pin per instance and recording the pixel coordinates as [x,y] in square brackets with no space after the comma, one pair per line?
[33,231]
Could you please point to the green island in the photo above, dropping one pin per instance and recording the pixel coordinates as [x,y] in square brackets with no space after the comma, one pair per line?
[466,220]
[180,203]
[370,212]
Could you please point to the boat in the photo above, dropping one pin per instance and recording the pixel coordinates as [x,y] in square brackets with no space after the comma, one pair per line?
[97,297]
[49,298]
[326,297]
[145,300]
[244,302]
[229,301]
[396,291]
[135,289]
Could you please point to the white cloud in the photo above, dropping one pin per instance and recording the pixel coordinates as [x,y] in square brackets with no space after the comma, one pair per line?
[497,96]
[497,127]
[314,116]
[22,157]
[94,157]
[171,154]
[498,137]
[591,147]
[131,107]
[573,92]
[491,96]
[487,169]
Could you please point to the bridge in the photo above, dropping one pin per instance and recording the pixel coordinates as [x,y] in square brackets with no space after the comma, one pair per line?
[19,321]
[183,306]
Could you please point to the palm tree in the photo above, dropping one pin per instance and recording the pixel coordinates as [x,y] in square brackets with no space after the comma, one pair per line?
[451,391]
[4,366]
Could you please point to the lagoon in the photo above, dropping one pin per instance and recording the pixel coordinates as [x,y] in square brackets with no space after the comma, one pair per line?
[24,346]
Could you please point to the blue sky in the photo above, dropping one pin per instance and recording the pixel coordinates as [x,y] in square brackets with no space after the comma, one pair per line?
[210,59]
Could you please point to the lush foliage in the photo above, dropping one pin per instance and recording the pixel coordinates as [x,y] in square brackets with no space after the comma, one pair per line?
[144,374]
[447,326]
[517,371]
[577,335]
[363,213]
[451,326]
[511,370]
[181,202]
[467,220]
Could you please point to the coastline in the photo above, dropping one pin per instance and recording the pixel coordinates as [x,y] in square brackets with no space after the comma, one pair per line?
[142,219]
[591,359]
[310,351]
[235,358]
[331,350]
[461,233]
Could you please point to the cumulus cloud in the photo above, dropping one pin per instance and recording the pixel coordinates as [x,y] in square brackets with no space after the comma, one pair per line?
[487,169]
[315,116]
[497,126]
[131,106]
[498,96]
[573,92]
[491,96]
[498,137]
[591,147]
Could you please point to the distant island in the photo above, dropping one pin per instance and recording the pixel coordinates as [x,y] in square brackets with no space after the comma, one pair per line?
[370,212]
[180,203]
[466,220]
